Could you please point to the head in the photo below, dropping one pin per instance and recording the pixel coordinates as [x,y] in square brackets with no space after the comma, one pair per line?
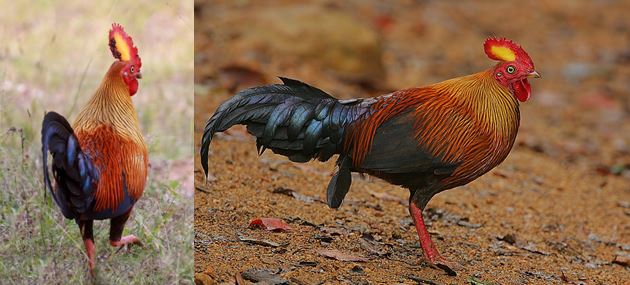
[123,49]
[514,67]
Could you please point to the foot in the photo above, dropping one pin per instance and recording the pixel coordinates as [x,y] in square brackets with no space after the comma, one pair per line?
[438,261]
[126,241]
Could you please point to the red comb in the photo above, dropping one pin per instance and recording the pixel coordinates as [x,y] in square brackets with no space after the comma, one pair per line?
[121,45]
[503,49]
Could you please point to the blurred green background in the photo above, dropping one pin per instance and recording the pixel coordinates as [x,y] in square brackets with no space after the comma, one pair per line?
[53,55]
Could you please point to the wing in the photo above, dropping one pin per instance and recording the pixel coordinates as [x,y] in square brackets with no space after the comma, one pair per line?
[397,155]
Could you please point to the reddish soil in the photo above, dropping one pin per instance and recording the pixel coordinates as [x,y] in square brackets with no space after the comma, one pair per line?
[557,211]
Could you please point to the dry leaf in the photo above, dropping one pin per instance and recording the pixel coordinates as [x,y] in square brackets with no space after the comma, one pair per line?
[342,256]
[270,224]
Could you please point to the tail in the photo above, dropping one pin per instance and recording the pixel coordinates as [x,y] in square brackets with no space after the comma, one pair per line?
[74,172]
[293,119]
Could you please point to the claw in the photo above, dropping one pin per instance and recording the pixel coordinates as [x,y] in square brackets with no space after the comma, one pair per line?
[448,266]
[126,241]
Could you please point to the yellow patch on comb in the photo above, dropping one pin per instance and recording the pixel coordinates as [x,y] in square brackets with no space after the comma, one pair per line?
[503,53]
[505,50]
[122,47]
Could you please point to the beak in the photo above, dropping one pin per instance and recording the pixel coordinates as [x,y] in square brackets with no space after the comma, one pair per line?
[139,75]
[534,74]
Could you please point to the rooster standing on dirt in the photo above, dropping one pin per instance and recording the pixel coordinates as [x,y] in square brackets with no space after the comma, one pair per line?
[100,163]
[427,139]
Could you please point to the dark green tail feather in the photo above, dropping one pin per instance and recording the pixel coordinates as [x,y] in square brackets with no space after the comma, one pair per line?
[293,119]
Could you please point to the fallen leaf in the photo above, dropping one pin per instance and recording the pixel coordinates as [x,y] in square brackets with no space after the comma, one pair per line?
[308,263]
[270,224]
[372,248]
[326,239]
[509,238]
[342,256]
[296,195]
[531,247]
[258,241]
[334,231]
[622,259]
[202,189]
[467,224]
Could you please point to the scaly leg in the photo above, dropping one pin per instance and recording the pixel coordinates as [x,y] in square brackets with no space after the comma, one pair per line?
[88,240]
[431,254]
[116,227]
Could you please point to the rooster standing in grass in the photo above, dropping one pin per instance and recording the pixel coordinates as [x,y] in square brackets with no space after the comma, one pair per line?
[427,139]
[100,163]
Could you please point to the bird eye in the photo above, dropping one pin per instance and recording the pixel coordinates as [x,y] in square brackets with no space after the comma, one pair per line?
[132,69]
[510,69]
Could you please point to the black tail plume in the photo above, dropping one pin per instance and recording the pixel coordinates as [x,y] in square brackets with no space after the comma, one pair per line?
[293,119]
[74,172]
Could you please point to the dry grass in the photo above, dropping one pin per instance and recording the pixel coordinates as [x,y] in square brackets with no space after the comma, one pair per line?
[53,56]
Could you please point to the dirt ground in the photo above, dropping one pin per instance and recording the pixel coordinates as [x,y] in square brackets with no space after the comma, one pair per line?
[557,211]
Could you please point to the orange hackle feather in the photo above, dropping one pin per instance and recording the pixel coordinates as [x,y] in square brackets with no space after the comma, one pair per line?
[109,131]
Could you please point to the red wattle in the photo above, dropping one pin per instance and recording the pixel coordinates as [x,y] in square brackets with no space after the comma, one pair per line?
[522,90]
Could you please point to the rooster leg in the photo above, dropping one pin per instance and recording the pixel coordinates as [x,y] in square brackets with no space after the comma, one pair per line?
[115,232]
[88,241]
[431,254]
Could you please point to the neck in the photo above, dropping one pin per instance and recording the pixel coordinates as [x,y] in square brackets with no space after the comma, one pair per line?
[494,105]
[111,106]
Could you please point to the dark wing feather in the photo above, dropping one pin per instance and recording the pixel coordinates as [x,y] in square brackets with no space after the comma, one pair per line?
[396,150]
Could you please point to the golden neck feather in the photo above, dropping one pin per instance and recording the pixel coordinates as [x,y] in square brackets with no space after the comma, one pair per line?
[493,105]
[111,105]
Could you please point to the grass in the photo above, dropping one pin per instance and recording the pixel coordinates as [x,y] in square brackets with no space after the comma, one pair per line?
[55,55]
[37,244]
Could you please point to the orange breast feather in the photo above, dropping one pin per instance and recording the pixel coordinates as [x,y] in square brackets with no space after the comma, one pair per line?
[114,155]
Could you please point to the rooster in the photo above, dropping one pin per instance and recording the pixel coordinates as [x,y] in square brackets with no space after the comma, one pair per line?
[100,162]
[427,139]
